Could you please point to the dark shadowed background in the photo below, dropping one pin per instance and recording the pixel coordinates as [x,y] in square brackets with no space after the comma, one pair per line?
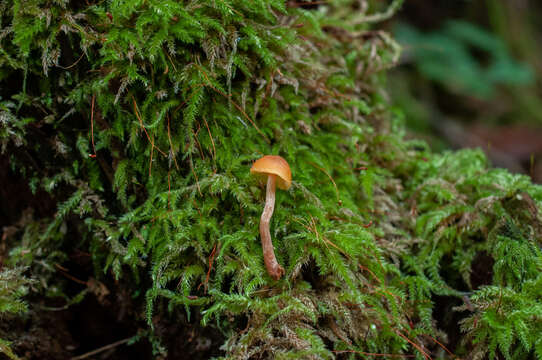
[470,76]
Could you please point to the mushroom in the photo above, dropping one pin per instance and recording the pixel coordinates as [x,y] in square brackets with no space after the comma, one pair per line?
[278,173]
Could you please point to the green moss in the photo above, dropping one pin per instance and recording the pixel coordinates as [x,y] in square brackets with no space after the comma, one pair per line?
[142,119]
[13,287]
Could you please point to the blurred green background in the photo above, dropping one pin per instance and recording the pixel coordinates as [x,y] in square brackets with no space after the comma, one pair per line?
[470,75]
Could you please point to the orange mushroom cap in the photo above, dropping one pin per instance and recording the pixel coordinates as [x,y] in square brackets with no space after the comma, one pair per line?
[274,165]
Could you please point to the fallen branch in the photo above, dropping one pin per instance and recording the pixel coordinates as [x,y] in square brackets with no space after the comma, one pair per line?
[102,349]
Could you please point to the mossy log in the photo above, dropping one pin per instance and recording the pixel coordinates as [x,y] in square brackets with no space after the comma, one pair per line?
[128,129]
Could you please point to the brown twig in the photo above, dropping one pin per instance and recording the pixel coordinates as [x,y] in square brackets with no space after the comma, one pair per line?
[172,63]
[372,354]
[418,347]
[92,125]
[136,111]
[150,159]
[195,176]
[168,190]
[198,144]
[197,208]
[72,65]
[64,272]
[211,136]
[102,349]
[190,97]
[171,144]
[211,260]
[151,139]
[441,345]
[370,272]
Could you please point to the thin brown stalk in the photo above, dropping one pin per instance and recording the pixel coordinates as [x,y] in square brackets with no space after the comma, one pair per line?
[373,354]
[418,347]
[92,125]
[102,349]
[330,178]
[171,144]
[136,111]
[211,136]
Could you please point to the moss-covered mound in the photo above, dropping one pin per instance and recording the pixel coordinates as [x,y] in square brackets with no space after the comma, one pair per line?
[127,131]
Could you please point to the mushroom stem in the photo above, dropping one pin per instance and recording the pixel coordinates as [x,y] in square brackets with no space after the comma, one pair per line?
[273,267]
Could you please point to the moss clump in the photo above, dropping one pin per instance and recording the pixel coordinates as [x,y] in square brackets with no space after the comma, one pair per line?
[13,287]
[141,120]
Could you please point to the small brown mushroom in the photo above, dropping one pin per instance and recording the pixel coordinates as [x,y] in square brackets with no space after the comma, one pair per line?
[278,172]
